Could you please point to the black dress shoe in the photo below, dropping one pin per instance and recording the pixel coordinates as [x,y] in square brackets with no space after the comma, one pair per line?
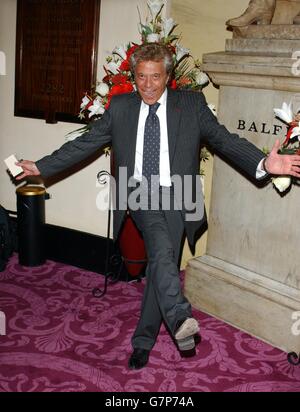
[139,358]
[191,352]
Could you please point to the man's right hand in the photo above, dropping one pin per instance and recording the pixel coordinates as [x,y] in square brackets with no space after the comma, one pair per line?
[29,169]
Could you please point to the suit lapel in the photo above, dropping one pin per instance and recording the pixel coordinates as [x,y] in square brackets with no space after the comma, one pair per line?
[173,121]
[133,110]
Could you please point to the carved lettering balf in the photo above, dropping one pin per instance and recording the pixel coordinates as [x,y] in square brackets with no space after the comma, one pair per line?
[56,57]
[261,127]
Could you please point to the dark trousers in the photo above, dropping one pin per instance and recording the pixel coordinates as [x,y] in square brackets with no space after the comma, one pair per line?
[163,299]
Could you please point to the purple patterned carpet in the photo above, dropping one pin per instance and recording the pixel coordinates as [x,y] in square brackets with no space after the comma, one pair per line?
[60,338]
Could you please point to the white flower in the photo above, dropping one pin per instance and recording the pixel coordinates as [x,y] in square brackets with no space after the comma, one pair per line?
[120,51]
[96,108]
[102,89]
[153,37]
[155,6]
[76,133]
[212,107]
[285,113]
[282,183]
[296,132]
[201,78]
[168,25]
[181,52]
[84,102]
[113,67]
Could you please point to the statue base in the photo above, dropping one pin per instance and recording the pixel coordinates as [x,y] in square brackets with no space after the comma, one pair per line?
[274,32]
[247,300]
[250,275]
[257,62]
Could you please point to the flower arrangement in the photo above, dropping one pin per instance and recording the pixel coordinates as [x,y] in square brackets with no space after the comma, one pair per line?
[118,77]
[291,144]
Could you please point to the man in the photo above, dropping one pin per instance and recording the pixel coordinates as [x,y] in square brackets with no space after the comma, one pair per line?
[158,131]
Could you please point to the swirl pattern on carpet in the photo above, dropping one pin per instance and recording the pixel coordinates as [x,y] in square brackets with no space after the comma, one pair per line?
[60,338]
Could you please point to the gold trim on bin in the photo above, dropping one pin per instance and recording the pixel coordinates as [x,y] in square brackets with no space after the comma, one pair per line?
[31,190]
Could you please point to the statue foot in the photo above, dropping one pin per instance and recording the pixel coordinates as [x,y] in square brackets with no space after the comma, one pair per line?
[258,11]
[286,12]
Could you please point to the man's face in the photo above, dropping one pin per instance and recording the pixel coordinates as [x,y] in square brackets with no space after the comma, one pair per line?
[151,79]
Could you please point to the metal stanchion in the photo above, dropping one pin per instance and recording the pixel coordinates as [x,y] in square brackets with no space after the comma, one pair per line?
[113,261]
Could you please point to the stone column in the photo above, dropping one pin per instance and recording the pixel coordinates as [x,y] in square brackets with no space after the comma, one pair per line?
[250,275]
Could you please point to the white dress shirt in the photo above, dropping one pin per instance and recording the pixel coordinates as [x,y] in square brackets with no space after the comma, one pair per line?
[164,161]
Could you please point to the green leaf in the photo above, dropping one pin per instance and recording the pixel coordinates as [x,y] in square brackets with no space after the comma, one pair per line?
[146,30]
[171,38]
[287,151]
[265,150]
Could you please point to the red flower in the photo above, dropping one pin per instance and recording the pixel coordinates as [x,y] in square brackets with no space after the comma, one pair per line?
[119,79]
[90,103]
[119,89]
[173,84]
[106,78]
[172,48]
[289,134]
[125,65]
[184,81]
[131,50]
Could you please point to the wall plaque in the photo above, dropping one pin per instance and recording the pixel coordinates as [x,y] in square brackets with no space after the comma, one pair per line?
[56,57]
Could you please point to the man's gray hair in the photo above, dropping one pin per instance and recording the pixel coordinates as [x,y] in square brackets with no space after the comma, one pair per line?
[152,52]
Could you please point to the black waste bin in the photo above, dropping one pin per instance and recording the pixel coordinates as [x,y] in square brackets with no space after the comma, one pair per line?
[31,222]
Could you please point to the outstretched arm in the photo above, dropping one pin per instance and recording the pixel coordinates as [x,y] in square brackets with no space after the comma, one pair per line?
[243,153]
[71,152]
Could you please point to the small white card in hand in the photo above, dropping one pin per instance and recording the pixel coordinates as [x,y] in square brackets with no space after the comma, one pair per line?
[13,168]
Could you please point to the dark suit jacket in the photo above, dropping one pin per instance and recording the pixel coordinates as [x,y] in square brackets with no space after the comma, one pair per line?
[190,123]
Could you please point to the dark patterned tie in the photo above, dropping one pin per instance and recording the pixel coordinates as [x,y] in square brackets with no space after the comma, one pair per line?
[151,151]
